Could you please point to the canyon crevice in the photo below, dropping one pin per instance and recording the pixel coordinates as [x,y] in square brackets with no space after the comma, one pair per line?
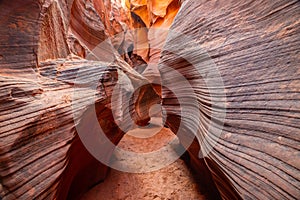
[226,74]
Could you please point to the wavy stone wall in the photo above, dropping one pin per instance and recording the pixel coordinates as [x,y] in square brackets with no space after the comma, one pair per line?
[56,83]
[253,47]
[49,93]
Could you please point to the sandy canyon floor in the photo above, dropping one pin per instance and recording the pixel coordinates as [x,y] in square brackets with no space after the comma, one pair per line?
[174,181]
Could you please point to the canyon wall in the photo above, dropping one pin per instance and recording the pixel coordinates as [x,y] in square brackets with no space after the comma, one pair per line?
[151,21]
[60,61]
[49,93]
[242,60]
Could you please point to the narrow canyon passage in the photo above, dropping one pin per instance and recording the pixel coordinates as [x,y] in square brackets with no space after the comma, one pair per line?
[100,98]
[172,182]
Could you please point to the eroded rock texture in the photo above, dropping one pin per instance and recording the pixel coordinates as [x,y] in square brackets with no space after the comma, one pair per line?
[56,84]
[151,21]
[255,48]
[49,93]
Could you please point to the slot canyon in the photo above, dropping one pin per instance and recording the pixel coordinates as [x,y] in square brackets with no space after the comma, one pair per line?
[149,99]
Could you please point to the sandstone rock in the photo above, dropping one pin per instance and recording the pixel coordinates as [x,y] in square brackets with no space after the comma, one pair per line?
[60,65]
[253,49]
[147,17]
[50,95]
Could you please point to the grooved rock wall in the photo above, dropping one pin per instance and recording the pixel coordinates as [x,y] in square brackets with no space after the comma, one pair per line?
[49,93]
[254,47]
[56,84]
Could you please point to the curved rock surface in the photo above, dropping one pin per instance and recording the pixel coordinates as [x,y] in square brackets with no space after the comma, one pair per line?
[241,60]
[151,20]
[50,95]
[253,49]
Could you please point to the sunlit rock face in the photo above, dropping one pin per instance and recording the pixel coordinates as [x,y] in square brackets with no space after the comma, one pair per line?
[151,21]
[251,74]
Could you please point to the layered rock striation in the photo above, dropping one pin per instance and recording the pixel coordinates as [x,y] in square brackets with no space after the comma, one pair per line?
[231,83]
[242,61]
[58,70]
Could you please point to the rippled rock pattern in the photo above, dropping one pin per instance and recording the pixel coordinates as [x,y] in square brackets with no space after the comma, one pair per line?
[55,80]
[254,47]
[49,92]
